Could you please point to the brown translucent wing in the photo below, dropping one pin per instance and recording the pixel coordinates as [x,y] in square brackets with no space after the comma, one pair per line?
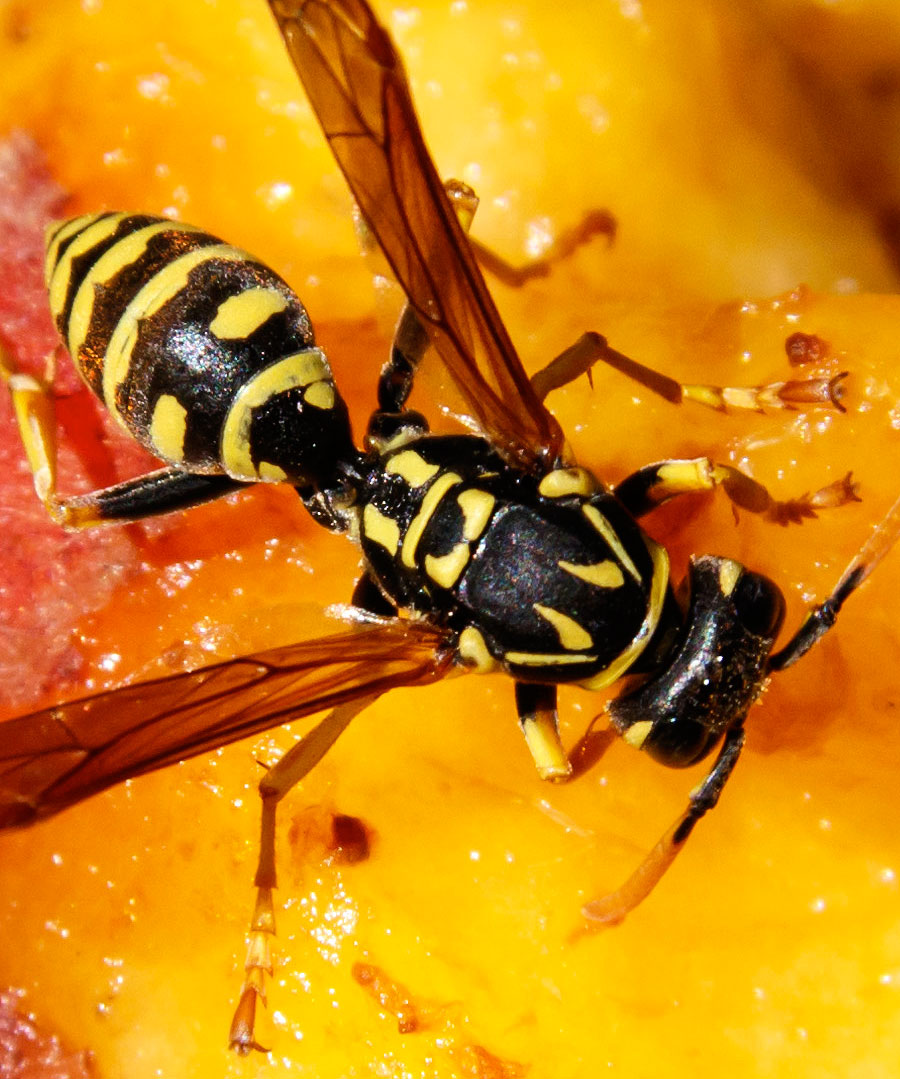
[356,84]
[50,759]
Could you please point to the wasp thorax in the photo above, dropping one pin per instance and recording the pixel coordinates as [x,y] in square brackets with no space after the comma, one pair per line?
[566,590]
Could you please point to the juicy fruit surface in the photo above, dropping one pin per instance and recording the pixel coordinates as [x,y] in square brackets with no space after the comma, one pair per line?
[773,946]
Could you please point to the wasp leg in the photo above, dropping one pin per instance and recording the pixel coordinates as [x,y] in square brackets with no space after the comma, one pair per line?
[411,341]
[536,705]
[593,223]
[33,409]
[593,348]
[654,484]
[368,596]
[277,782]
[280,778]
[163,491]
[396,379]
[822,617]
[611,909]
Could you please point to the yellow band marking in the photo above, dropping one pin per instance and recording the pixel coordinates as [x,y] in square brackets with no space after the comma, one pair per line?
[562,482]
[445,569]
[542,738]
[608,533]
[168,428]
[239,316]
[729,575]
[677,477]
[412,467]
[60,271]
[52,232]
[546,659]
[703,395]
[122,253]
[477,507]
[606,574]
[297,370]
[429,504]
[55,233]
[658,588]
[383,446]
[381,529]
[270,473]
[746,397]
[37,426]
[474,652]
[636,734]
[572,635]
[155,294]
[320,395]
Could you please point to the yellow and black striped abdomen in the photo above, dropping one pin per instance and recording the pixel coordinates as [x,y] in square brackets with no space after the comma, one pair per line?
[202,352]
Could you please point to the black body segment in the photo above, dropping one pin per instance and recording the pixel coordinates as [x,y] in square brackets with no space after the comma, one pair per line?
[559,599]
[203,353]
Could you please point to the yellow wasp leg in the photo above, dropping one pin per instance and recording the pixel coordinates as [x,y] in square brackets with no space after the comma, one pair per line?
[610,909]
[654,484]
[162,491]
[536,705]
[821,618]
[593,223]
[280,778]
[592,348]
[36,417]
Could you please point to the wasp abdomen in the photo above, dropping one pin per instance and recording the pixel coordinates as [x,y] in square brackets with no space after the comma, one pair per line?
[202,352]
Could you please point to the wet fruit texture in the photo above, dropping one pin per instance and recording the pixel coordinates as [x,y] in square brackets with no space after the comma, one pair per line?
[737,172]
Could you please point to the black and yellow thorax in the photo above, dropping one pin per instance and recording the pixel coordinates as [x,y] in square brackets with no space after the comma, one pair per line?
[545,577]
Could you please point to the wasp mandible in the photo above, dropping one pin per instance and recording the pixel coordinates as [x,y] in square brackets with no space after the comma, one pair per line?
[490,551]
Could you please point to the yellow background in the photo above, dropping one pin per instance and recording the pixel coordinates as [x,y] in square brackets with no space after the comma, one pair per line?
[744,149]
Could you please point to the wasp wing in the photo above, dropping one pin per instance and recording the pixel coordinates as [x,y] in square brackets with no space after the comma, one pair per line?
[53,758]
[359,92]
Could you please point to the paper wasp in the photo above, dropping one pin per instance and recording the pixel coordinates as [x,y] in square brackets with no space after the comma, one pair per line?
[492,551]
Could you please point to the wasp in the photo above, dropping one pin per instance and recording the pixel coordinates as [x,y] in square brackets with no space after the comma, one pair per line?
[485,550]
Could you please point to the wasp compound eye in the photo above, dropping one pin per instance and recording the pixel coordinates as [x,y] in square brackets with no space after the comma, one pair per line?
[759,604]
